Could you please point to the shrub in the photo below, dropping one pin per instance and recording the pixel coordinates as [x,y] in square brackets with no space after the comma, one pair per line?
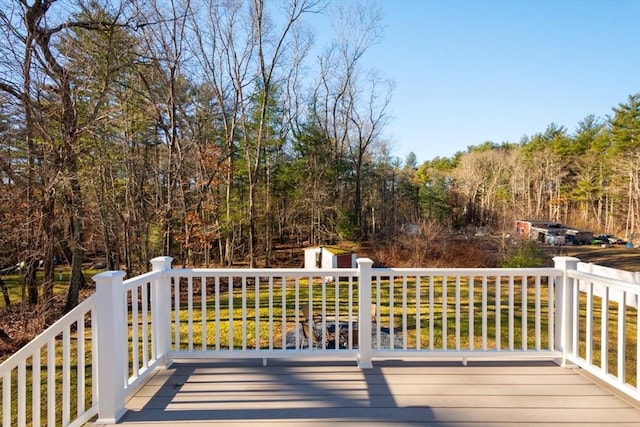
[523,254]
[433,246]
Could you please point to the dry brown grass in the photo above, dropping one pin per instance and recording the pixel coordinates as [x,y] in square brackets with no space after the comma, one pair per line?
[448,251]
[22,324]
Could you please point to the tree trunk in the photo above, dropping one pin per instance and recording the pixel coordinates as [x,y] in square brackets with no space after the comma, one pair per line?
[77,280]
[5,293]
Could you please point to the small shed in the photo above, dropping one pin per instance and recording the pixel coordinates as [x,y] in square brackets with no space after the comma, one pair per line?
[329,257]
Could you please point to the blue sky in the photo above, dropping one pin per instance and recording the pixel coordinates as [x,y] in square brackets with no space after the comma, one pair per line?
[470,71]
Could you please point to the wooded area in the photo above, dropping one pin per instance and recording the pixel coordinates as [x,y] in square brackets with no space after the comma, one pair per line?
[214,130]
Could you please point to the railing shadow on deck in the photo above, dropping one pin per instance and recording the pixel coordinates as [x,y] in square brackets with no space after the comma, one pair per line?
[285,391]
[305,392]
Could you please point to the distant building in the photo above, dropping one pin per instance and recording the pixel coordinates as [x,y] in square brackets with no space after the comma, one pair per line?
[552,232]
[329,257]
[533,229]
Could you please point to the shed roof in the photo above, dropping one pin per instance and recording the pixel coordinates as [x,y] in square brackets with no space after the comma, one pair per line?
[332,249]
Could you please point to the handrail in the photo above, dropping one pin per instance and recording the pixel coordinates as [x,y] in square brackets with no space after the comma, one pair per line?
[133,282]
[621,285]
[253,272]
[440,271]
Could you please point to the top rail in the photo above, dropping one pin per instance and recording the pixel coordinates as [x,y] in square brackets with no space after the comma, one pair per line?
[144,278]
[633,288]
[264,272]
[547,271]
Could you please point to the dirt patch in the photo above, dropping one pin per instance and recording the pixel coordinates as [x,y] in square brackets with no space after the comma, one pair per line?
[616,256]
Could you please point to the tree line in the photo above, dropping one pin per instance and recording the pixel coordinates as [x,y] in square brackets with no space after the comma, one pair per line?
[587,178]
[213,131]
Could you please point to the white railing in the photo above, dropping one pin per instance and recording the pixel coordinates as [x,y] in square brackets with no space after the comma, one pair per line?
[256,313]
[54,375]
[479,313]
[603,334]
[132,334]
[434,296]
[361,314]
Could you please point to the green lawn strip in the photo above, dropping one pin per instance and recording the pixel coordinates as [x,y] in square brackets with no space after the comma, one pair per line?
[461,330]
[61,277]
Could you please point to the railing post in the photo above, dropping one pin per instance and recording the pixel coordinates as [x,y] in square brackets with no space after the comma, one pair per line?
[112,346]
[365,266]
[564,306]
[161,309]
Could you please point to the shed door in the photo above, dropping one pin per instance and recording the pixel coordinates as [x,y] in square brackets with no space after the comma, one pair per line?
[344,261]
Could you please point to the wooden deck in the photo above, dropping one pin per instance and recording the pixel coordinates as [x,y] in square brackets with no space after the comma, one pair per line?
[393,393]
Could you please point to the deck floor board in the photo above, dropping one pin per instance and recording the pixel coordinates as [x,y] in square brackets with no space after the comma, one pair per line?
[289,393]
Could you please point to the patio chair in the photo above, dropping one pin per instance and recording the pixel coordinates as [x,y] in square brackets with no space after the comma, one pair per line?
[306,311]
[312,330]
[309,338]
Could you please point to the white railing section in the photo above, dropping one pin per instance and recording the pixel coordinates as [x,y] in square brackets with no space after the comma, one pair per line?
[54,375]
[148,321]
[468,313]
[604,333]
[259,313]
